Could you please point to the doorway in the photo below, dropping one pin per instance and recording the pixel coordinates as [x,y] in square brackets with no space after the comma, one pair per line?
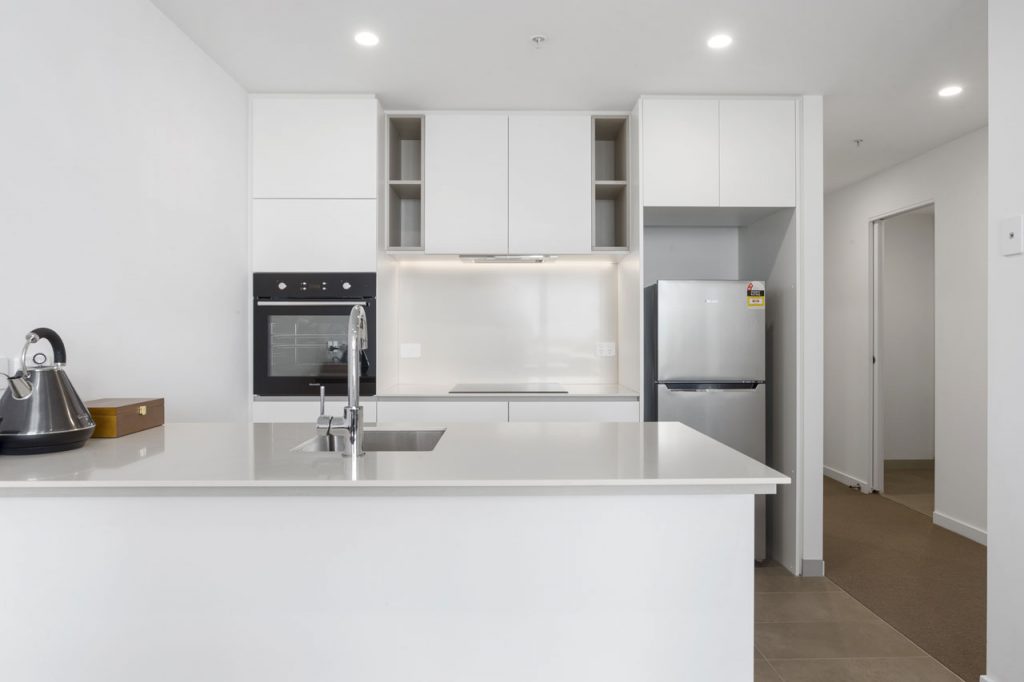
[903,371]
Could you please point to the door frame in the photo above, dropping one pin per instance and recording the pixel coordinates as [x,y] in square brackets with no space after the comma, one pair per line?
[876,259]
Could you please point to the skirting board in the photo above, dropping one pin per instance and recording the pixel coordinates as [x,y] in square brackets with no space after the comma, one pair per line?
[986,678]
[813,568]
[845,479]
[959,527]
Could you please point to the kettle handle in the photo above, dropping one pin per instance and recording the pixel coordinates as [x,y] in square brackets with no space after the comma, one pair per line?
[60,354]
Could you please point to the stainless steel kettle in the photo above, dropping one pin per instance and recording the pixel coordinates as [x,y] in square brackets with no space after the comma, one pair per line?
[40,410]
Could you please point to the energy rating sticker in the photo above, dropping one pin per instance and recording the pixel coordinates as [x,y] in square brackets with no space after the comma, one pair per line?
[755,294]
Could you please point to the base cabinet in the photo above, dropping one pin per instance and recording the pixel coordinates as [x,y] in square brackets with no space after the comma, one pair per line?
[443,411]
[574,411]
[304,411]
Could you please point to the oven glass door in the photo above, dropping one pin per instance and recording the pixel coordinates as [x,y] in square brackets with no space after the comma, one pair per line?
[299,345]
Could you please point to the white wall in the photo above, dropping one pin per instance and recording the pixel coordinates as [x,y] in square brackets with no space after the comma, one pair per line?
[908,336]
[1005,339]
[767,251]
[690,253]
[952,176]
[493,322]
[123,195]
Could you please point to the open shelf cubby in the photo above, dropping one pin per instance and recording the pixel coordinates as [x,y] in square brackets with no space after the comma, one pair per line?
[403,212]
[611,171]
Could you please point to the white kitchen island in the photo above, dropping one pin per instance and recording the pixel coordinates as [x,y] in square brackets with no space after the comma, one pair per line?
[511,552]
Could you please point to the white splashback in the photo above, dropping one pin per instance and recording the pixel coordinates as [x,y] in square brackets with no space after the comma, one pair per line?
[493,322]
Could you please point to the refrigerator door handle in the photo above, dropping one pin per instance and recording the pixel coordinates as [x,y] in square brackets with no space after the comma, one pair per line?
[713,387]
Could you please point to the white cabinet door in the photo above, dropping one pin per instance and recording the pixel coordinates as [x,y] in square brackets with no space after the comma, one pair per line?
[680,152]
[758,152]
[442,411]
[465,184]
[549,176]
[314,235]
[574,411]
[306,147]
[304,411]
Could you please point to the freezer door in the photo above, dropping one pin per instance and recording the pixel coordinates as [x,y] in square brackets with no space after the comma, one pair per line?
[706,331]
[734,415]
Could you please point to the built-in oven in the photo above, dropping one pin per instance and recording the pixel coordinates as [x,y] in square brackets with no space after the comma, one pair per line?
[300,332]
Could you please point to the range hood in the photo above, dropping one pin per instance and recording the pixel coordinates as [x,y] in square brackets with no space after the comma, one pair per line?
[537,258]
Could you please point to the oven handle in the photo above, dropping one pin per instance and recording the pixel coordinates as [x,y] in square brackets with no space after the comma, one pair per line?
[320,303]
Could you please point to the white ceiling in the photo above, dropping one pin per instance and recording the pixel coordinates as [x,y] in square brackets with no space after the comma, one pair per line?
[879,63]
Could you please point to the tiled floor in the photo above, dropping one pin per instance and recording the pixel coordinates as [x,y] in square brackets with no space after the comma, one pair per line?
[809,630]
[911,487]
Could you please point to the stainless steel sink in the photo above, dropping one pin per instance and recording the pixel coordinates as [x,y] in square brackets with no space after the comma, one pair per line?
[378,441]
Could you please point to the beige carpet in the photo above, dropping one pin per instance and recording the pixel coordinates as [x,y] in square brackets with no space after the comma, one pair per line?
[912,484]
[923,580]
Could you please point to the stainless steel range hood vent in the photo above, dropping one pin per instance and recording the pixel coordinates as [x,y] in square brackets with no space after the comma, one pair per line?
[538,258]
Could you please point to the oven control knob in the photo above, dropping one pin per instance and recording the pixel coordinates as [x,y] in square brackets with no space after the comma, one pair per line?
[282,285]
[346,286]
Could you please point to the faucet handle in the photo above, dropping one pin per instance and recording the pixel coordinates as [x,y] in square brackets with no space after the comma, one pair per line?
[323,399]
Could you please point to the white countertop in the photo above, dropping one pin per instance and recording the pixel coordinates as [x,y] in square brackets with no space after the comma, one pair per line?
[553,456]
[577,391]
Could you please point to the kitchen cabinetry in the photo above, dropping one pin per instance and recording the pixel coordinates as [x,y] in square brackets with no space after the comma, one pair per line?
[305,411]
[757,152]
[324,235]
[680,152]
[442,411]
[498,184]
[314,147]
[574,411]
[465,205]
[549,183]
[730,152]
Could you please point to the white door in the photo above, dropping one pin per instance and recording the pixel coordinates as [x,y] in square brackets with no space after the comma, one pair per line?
[465,194]
[549,176]
[680,152]
[758,152]
[314,235]
[314,147]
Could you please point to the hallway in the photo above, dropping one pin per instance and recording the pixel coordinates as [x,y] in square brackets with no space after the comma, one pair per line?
[925,581]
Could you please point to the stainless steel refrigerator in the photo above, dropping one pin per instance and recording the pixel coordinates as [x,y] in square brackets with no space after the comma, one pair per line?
[710,366]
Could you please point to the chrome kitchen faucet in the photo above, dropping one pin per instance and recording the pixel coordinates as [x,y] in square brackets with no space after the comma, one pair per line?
[351,420]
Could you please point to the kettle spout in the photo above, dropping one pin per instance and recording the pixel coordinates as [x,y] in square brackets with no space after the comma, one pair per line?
[21,387]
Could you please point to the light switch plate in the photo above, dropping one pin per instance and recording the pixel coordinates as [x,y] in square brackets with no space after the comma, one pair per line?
[606,349]
[1011,235]
[409,350]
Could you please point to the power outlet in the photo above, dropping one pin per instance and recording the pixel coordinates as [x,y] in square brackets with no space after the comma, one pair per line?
[1011,235]
[606,349]
[410,350]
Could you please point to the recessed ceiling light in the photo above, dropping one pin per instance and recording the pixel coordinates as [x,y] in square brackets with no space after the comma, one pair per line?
[950,91]
[367,38]
[719,41]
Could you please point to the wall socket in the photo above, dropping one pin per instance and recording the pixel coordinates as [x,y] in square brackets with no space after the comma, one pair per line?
[606,349]
[409,350]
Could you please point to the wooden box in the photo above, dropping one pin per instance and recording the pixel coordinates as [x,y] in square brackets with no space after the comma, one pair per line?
[116,417]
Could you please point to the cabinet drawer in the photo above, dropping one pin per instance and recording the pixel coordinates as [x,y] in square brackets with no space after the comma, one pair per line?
[304,411]
[574,411]
[442,411]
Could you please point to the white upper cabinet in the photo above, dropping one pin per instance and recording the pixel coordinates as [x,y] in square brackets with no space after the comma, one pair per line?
[314,147]
[730,152]
[549,183]
[465,186]
[326,235]
[680,149]
[758,152]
